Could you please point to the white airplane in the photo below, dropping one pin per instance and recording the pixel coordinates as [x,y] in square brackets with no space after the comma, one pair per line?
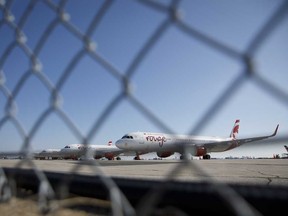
[42,155]
[48,154]
[167,144]
[74,151]
[77,151]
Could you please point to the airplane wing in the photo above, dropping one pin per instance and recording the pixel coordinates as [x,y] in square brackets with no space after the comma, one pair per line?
[105,151]
[108,153]
[252,139]
[230,144]
[45,154]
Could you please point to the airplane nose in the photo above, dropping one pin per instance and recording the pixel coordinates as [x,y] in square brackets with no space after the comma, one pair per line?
[119,144]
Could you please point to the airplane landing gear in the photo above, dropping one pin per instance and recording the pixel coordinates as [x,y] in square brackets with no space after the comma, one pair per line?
[137,157]
[206,157]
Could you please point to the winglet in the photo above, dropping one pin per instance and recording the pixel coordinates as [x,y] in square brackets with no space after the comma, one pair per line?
[275,132]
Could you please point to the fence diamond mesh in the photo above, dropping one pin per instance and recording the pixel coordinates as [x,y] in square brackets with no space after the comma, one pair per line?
[74,66]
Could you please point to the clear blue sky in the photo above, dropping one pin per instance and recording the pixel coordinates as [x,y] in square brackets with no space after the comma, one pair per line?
[179,79]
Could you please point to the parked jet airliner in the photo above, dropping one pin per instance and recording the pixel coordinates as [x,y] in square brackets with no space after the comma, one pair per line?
[166,145]
[42,155]
[48,154]
[76,151]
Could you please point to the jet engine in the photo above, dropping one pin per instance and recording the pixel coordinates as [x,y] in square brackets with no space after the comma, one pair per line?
[109,156]
[164,154]
[197,150]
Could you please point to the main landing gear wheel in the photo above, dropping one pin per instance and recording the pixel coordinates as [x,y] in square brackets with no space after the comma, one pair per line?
[206,157]
[137,157]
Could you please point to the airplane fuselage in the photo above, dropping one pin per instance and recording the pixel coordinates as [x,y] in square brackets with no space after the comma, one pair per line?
[149,142]
[75,151]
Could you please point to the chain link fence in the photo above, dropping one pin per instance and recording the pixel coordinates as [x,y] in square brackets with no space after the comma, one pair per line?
[13,27]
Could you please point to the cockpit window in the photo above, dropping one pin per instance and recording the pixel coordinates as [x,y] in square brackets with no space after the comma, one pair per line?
[127,137]
[67,147]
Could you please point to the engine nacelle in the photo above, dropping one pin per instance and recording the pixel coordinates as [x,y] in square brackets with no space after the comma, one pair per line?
[109,156]
[197,150]
[164,154]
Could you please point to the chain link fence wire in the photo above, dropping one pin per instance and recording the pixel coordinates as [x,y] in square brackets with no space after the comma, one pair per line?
[171,14]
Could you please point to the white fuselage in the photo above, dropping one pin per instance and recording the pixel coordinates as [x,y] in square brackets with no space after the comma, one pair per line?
[48,153]
[96,151]
[159,142]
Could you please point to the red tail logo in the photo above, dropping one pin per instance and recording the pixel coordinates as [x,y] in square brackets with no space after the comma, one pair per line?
[235,129]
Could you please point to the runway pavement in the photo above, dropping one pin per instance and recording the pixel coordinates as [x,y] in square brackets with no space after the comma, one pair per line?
[266,173]
[249,171]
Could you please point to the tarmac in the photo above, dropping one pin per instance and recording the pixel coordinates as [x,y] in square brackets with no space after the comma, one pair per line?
[250,171]
[237,171]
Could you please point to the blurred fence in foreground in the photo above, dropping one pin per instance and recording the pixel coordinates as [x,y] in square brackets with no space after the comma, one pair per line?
[60,17]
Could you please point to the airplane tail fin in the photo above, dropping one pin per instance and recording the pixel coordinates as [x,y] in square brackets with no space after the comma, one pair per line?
[286,147]
[110,143]
[235,129]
